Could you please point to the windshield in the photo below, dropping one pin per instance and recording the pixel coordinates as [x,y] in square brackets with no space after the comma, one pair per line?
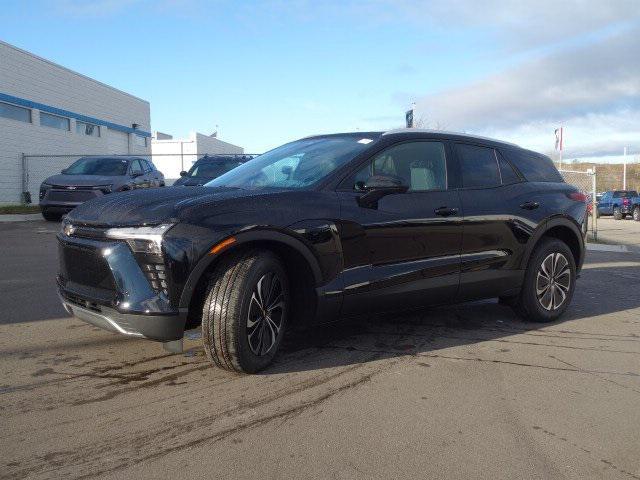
[297,164]
[625,194]
[98,166]
[213,169]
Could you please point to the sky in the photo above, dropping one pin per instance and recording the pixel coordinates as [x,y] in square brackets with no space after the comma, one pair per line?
[264,73]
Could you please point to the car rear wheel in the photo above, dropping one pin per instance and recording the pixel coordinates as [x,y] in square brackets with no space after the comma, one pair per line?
[245,311]
[636,214]
[549,282]
[617,213]
[51,217]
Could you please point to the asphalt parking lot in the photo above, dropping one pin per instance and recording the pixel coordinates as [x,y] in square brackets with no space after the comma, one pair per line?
[626,231]
[458,392]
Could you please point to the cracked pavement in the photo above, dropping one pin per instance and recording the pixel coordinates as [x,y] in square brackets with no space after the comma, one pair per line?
[467,391]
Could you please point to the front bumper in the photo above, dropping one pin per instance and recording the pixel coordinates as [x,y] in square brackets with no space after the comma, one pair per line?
[101,282]
[626,209]
[163,328]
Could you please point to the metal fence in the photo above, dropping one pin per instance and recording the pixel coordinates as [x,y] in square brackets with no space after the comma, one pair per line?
[36,168]
[586,182]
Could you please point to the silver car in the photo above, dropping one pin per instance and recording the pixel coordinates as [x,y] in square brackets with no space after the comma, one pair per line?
[92,177]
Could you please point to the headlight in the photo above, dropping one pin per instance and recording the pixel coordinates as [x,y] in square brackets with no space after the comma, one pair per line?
[141,239]
[43,189]
[105,188]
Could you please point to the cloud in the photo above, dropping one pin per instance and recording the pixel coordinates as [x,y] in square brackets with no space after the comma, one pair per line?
[591,86]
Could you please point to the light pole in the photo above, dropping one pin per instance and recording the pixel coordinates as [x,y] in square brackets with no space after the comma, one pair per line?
[624,169]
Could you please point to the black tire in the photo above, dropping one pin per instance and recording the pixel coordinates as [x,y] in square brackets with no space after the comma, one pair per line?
[529,306]
[51,217]
[617,214]
[230,305]
[636,214]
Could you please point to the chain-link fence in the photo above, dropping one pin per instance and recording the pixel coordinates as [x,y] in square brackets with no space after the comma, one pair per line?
[36,168]
[586,182]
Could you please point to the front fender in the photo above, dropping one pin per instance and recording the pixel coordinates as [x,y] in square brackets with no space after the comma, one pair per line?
[244,238]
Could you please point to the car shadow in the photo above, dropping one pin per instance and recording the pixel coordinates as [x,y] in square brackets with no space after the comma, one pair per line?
[427,332]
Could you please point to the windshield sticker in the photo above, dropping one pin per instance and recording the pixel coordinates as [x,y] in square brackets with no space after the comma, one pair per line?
[365,140]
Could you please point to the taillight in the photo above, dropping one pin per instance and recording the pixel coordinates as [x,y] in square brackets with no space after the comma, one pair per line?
[626,201]
[578,197]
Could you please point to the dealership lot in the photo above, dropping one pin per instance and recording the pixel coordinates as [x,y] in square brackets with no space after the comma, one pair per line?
[626,232]
[463,392]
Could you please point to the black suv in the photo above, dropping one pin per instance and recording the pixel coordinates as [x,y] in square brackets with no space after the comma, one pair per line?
[91,177]
[323,227]
[208,167]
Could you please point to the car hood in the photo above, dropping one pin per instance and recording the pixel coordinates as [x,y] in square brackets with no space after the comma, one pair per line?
[166,205]
[80,180]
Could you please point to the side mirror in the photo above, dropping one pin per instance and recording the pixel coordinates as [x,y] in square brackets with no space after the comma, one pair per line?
[378,186]
[183,173]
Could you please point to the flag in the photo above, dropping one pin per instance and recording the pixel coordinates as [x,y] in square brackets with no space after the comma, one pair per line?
[558,132]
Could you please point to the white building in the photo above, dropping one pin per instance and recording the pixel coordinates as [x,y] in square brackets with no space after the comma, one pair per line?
[171,156]
[47,109]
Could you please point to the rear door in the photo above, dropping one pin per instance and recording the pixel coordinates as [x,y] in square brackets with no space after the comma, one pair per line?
[404,251]
[500,213]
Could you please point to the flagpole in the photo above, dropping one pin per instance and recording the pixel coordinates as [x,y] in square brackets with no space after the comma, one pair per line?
[561,139]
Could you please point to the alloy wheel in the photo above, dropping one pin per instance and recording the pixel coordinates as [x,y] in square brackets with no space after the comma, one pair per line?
[553,281]
[266,314]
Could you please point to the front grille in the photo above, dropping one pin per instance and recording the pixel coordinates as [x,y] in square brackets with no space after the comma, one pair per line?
[71,195]
[85,266]
[94,233]
[81,302]
[73,187]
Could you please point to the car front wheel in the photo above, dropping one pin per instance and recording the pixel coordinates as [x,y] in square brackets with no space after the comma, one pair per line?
[549,282]
[51,217]
[245,311]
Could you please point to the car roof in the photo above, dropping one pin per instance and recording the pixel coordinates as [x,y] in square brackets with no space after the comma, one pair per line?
[419,132]
[111,157]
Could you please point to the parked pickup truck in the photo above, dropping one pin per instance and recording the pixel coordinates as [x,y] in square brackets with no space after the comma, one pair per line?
[620,203]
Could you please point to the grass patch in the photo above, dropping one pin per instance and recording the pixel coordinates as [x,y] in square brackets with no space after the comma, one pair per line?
[17,209]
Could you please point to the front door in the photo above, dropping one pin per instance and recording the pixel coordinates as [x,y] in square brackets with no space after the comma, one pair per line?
[404,251]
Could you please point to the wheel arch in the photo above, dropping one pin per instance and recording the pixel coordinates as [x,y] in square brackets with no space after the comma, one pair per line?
[563,229]
[300,263]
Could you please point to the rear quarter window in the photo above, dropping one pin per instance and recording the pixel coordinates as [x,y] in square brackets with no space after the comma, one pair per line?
[534,166]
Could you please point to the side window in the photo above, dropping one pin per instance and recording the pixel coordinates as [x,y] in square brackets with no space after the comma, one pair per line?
[148,168]
[507,174]
[136,167]
[479,166]
[420,165]
[534,167]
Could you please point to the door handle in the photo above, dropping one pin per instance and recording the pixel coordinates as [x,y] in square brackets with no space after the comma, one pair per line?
[530,205]
[445,211]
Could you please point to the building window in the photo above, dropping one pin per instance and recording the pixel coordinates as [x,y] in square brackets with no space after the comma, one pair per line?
[84,128]
[142,141]
[14,112]
[54,121]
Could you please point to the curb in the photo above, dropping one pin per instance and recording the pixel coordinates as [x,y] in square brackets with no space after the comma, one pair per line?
[603,247]
[25,217]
